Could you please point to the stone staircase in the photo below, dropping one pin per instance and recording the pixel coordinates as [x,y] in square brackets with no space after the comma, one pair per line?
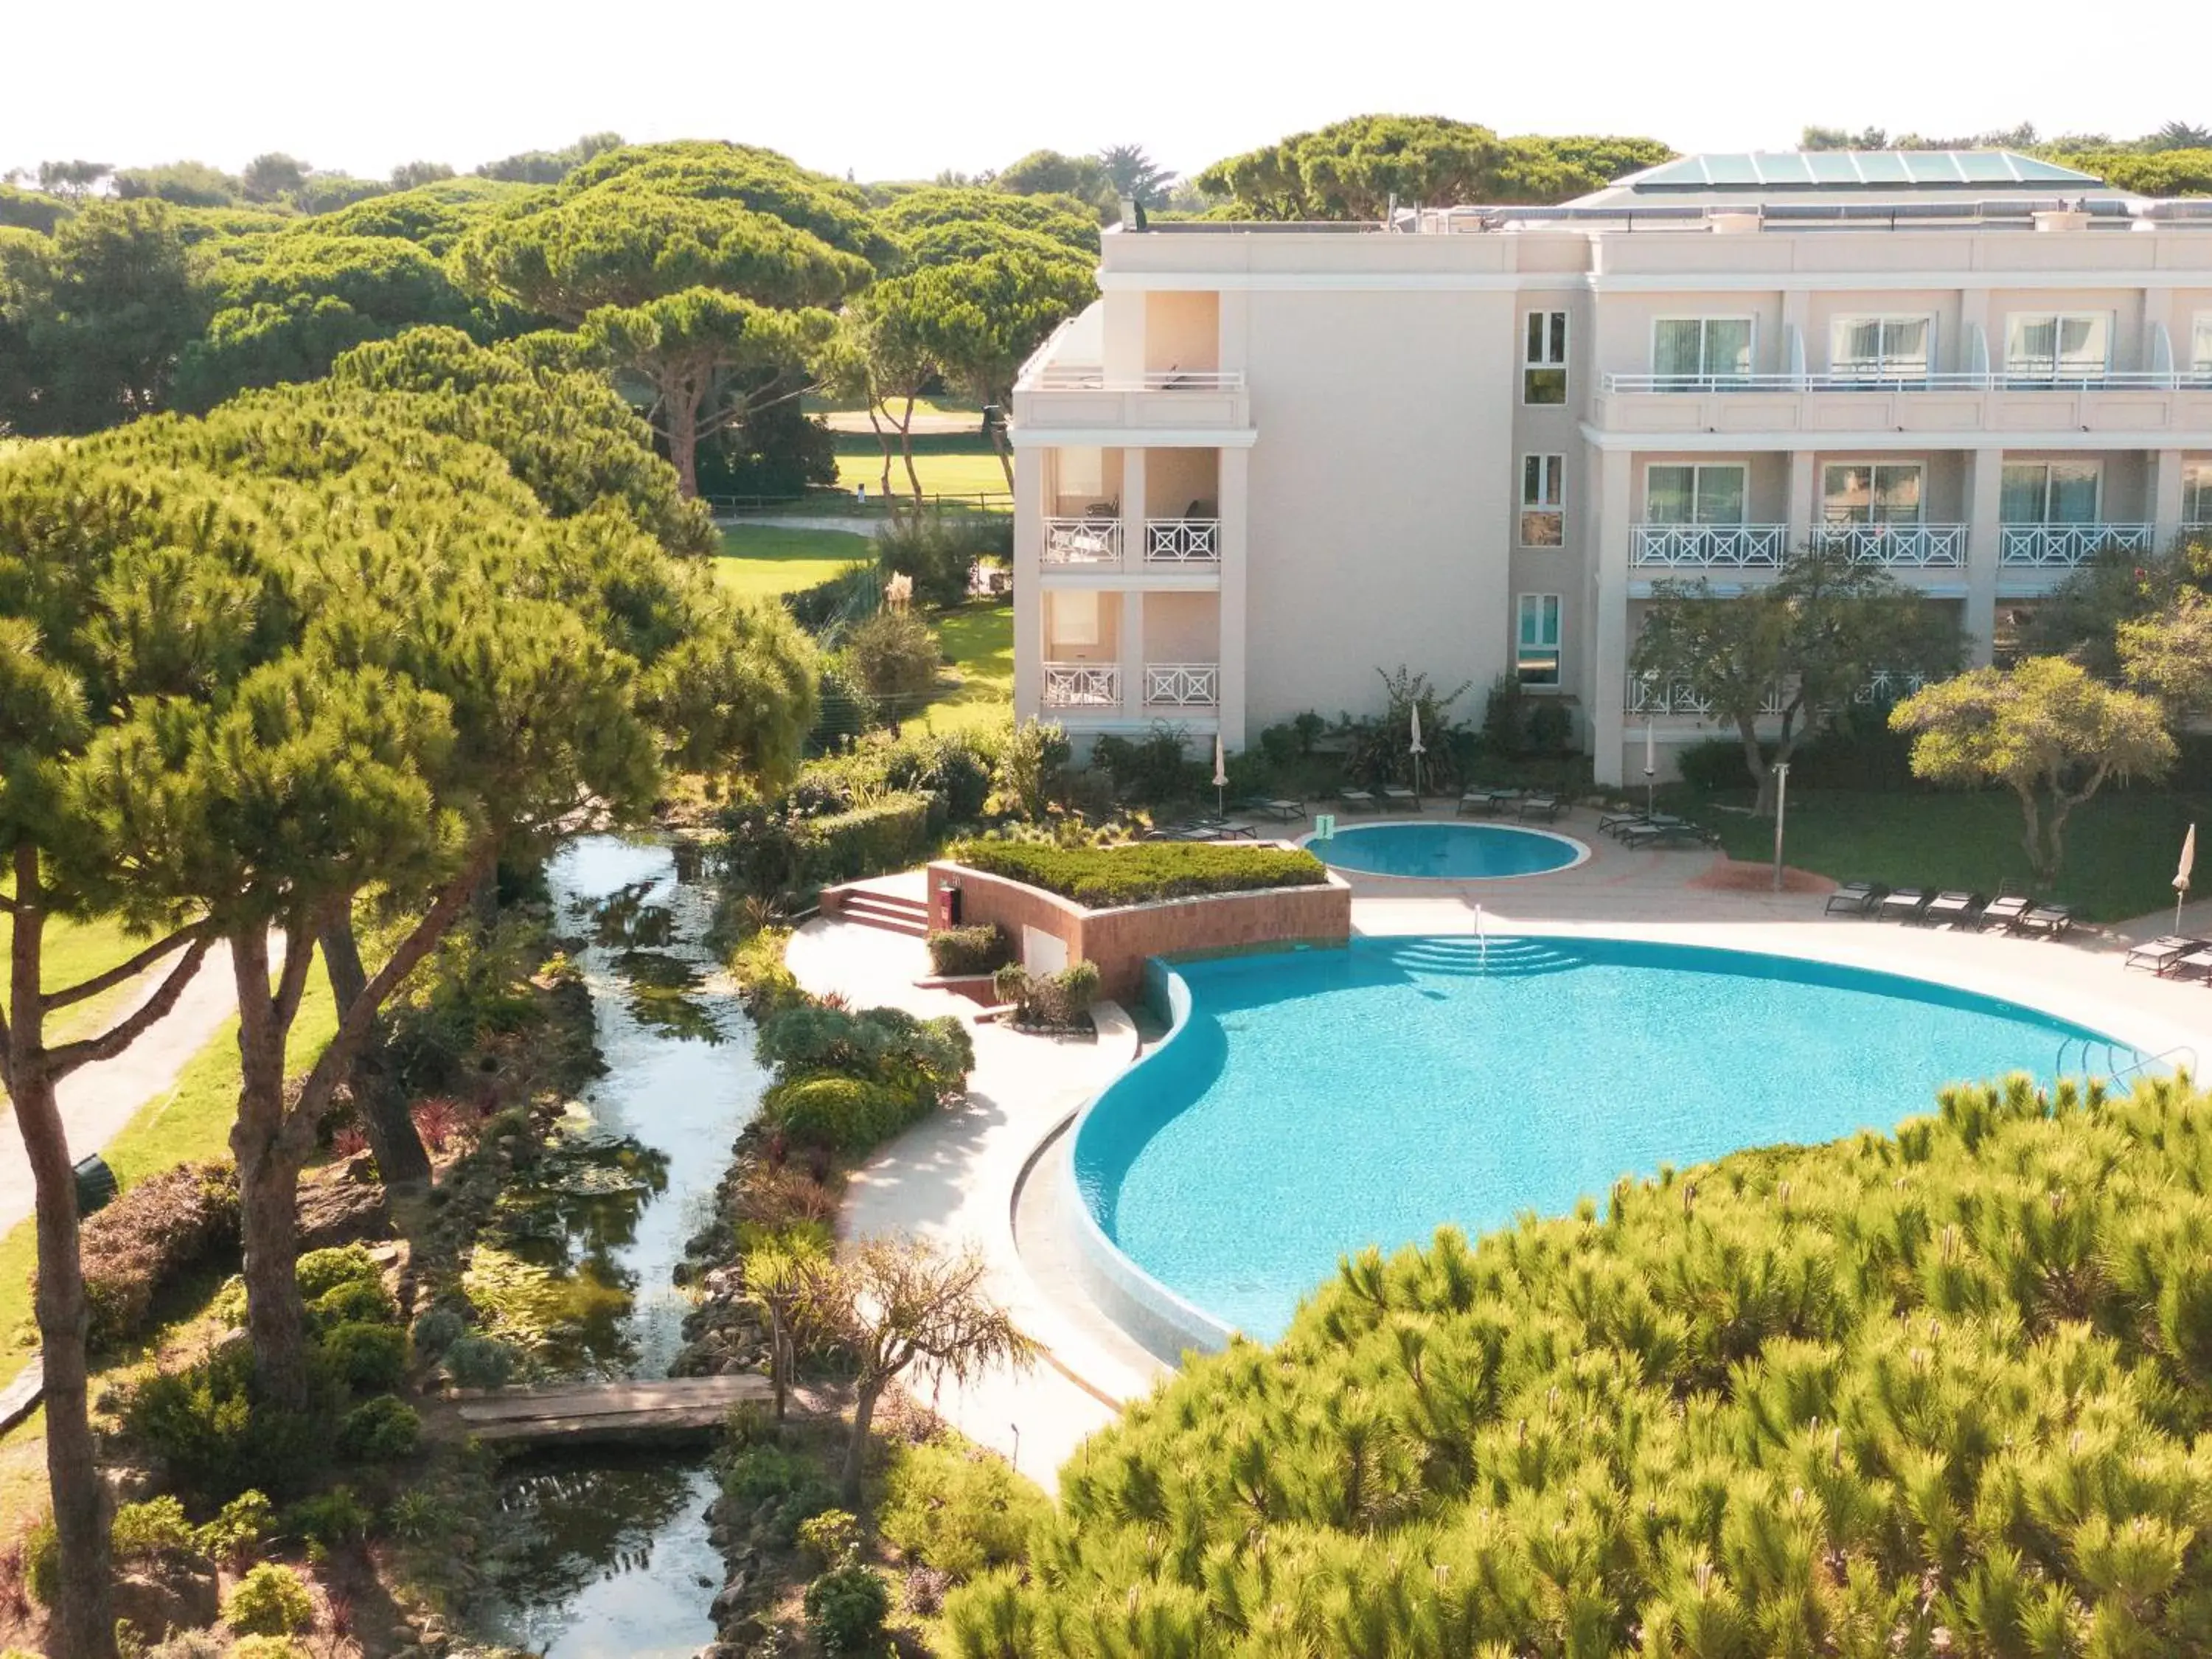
[872,907]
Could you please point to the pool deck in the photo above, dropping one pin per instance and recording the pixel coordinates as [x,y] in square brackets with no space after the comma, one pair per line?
[963,1177]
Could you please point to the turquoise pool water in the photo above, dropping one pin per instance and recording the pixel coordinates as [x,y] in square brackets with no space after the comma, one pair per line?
[1459,852]
[1315,1102]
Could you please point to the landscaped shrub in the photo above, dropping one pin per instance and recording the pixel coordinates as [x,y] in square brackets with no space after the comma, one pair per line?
[877,1045]
[783,1489]
[154,1232]
[1715,764]
[846,1607]
[217,1440]
[437,1331]
[886,834]
[328,1519]
[976,949]
[156,1526]
[356,1302]
[1064,998]
[42,1562]
[243,1523]
[1550,729]
[480,1362]
[937,548]
[270,1601]
[1152,769]
[895,656]
[321,1272]
[265,1647]
[958,1509]
[379,1431]
[1102,877]
[368,1358]
[830,1536]
[846,1115]
[1949,1390]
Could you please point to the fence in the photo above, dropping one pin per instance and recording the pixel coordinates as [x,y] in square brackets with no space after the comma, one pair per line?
[831,503]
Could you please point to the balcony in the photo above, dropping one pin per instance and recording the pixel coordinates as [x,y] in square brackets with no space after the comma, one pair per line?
[1974,380]
[1787,405]
[1707,546]
[2062,546]
[1092,685]
[1650,695]
[1183,685]
[1181,543]
[1899,546]
[1093,541]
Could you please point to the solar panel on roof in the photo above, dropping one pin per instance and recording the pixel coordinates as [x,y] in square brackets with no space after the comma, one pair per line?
[1732,169]
[1789,168]
[1832,167]
[1933,166]
[1986,167]
[1881,167]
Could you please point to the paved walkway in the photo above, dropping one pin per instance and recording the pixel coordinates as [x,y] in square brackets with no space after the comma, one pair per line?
[851,526]
[957,1177]
[97,1101]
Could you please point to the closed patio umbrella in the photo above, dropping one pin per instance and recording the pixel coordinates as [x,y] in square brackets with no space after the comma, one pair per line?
[2181,876]
[1416,750]
[1220,776]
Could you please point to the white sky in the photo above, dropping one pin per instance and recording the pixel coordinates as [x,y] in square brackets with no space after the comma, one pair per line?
[901,90]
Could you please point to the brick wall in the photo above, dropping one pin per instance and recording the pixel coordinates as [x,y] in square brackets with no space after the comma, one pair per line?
[1121,940]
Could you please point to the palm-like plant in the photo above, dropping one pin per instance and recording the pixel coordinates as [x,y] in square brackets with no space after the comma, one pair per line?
[1133,173]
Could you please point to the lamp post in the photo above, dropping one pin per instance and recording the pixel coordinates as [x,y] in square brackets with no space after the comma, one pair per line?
[1781,810]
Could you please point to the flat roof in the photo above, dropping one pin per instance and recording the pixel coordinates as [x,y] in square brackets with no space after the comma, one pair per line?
[1853,169]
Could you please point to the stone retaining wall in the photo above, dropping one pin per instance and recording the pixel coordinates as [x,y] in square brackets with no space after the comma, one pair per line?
[1120,941]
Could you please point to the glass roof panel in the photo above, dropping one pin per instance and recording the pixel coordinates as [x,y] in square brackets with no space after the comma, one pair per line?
[1931,166]
[1783,168]
[1881,167]
[1986,167]
[1832,166]
[1732,169]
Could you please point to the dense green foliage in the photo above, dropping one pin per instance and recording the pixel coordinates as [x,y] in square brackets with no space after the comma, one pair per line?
[1947,1391]
[845,1610]
[958,1509]
[1102,877]
[974,949]
[842,1116]
[270,1601]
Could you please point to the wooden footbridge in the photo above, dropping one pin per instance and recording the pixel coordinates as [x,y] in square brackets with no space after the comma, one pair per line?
[673,1411]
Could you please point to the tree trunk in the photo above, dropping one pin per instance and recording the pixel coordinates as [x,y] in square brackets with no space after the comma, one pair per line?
[268,1182]
[400,1160]
[1005,452]
[906,451]
[884,443]
[684,440]
[2031,834]
[856,1449]
[1754,760]
[83,1627]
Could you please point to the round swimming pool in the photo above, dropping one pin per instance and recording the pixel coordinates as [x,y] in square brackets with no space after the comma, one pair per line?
[1449,851]
[1307,1103]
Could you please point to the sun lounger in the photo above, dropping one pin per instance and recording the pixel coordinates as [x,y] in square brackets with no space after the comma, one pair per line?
[1357,800]
[1954,907]
[2006,910]
[1398,795]
[1484,801]
[2198,961]
[1546,807]
[1906,904]
[1283,811]
[2160,955]
[1622,829]
[1612,824]
[2051,921]
[1855,898]
[1678,832]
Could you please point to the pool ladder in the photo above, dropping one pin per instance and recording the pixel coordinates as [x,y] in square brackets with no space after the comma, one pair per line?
[2112,1051]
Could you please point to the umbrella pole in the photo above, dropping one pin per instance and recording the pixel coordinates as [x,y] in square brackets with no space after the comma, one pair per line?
[2180,894]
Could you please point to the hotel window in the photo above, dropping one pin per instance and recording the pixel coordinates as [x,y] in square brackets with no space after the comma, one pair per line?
[1683,494]
[1075,619]
[2060,346]
[2048,492]
[1698,351]
[1543,501]
[1544,358]
[1877,492]
[1536,657]
[1881,348]
[2196,493]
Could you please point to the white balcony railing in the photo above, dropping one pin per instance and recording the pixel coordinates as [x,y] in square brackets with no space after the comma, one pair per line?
[1182,541]
[1889,685]
[1733,546]
[2117,380]
[2062,546]
[1082,685]
[1900,546]
[1183,685]
[1089,377]
[1649,693]
[1083,541]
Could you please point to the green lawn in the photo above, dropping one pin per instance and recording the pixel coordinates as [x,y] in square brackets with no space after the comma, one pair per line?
[761,561]
[947,463]
[979,638]
[2121,848]
[76,951]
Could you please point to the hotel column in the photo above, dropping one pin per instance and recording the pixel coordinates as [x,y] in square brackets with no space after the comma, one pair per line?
[1798,505]
[1985,476]
[2164,497]
[1236,464]
[1133,509]
[1610,681]
[1029,593]
[1132,652]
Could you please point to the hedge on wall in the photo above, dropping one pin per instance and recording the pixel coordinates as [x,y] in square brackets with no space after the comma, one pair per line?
[887,834]
[977,949]
[1102,877]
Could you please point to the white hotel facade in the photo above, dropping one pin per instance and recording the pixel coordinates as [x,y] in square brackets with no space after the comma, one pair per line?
[1271,458]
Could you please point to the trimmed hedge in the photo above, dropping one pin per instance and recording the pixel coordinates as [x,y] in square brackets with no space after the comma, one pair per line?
[841,1114]
[156,1232]
[1103,877]
[977,949]
[865,841]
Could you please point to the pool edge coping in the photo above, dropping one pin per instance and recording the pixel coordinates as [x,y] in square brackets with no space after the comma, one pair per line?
[1583,851]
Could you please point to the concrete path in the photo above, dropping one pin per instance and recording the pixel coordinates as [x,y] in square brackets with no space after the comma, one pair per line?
[851,526]
[97,1101]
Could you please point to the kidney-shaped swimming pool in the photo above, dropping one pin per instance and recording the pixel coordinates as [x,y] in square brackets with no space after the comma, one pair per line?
[1311,1102]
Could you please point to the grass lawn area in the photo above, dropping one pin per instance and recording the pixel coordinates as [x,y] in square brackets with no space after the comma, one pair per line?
[948,464]
[979,638]
[76,951]
[761,561]
[2121,848]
